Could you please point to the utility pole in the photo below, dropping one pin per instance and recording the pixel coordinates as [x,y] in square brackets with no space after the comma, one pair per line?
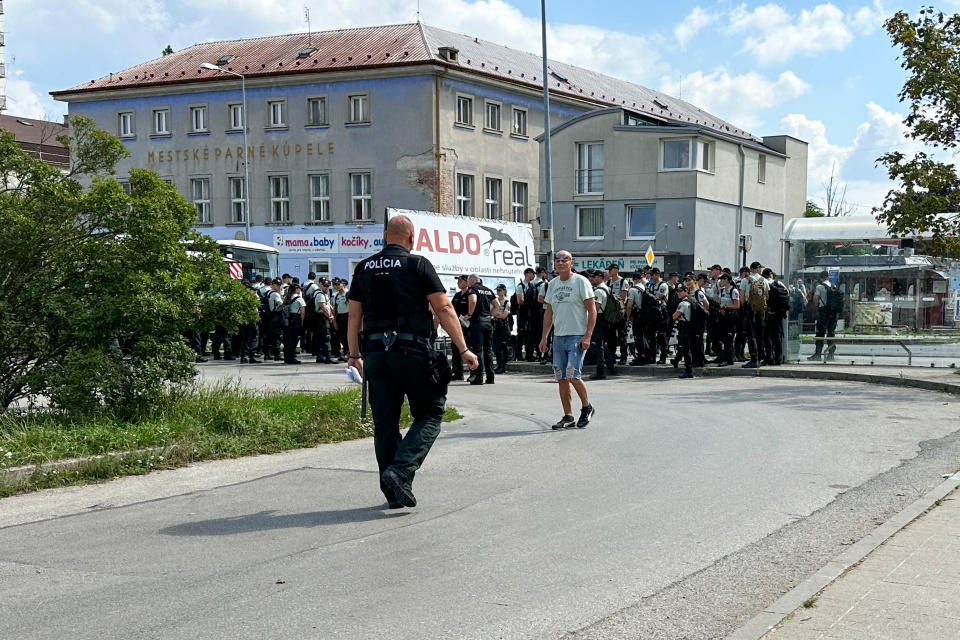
[546,218]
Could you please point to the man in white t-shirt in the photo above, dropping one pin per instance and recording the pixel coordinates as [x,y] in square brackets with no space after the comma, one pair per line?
[572,314]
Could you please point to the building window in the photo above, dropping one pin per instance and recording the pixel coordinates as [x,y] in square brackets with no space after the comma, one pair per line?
[465,195]
[126,186]
[125,124]
[676,154]
[198,119]
[359,107]
[280,198]
[361,196]
[161,122]
[321,268]
[277,109]
[519,122]
[236,115]
[762,168]
[317,111]
[641,222]
[703,155]
[518,201]
[492,198]
[238,200]
[758,219]
[686,154]
[590,167]
[589,223]
[465,110]
[200,188]
[320,198]
[493,116]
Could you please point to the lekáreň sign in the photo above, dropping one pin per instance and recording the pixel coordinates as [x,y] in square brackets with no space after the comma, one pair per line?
[456,245]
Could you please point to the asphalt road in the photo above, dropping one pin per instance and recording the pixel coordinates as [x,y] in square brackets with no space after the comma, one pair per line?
[680,512]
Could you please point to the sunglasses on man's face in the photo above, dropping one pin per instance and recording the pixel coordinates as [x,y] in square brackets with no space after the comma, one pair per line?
[562,258]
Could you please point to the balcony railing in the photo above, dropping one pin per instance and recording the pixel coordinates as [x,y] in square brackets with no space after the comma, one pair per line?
[590,181]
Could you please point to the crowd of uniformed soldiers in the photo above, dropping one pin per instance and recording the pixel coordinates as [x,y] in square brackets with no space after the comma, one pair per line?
[714,317]
[309,317]
[717,317]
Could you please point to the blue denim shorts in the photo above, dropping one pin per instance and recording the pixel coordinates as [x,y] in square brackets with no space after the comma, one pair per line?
[567,357]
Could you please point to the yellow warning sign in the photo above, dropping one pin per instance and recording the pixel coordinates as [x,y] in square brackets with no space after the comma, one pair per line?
[649,256]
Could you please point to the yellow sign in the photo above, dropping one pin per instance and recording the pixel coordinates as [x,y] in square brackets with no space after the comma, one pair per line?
[649,256]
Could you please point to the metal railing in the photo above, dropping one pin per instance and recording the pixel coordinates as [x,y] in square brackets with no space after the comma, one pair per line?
[590,181]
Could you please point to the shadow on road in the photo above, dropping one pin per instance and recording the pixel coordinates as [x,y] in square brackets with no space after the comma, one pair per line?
[269,520]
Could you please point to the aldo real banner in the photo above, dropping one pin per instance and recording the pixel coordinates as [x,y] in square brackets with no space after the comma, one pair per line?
[454,244]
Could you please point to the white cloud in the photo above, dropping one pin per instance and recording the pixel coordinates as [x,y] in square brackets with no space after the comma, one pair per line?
[692,24]
[783,36]
[883,131]
[736,98]
[24,100]
[868,19]
[110,15]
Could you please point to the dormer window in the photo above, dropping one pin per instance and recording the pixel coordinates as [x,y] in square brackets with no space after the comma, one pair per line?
[660,104]
[305,53]
[222,60]
[450,54]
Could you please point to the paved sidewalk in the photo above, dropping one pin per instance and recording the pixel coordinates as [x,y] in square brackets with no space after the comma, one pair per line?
[909,587]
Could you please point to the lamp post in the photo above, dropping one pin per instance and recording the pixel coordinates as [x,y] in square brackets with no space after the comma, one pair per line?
[246,158]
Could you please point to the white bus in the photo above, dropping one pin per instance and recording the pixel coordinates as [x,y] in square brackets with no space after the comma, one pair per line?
[256,259]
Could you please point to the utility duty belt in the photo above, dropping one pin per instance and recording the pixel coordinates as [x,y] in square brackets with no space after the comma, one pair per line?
[385,340]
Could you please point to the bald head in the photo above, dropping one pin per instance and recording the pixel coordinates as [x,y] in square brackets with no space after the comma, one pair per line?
[399,231]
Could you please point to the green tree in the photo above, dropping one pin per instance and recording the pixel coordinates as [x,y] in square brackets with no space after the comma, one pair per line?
[97,285]
[813,210]
[930,53]
[168,50]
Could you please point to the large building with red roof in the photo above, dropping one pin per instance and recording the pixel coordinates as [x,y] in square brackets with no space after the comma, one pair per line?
[343,124]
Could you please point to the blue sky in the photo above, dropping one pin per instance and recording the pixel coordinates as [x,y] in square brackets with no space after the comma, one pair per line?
[825,73]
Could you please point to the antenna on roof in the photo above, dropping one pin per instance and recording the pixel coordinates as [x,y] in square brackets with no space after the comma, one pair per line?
[306,15]
[681,87]
[418,10]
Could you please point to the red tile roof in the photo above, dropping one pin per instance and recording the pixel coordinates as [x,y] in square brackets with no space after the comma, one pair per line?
[399,45]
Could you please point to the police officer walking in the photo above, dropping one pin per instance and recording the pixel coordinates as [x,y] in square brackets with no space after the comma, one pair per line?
[391,299]
[324,317]
[273,300]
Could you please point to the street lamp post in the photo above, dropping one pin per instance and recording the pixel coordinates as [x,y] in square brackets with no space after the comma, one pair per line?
[246,149]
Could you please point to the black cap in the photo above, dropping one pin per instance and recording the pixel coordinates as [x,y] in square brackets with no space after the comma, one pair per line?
[613,265]
[277,281]
[463,276]
[335,280]
[529,270]
[681,287]
[324,282]
[541,270]
[655,270]
[717,267]
[344,281]
[502,286]
[295,280]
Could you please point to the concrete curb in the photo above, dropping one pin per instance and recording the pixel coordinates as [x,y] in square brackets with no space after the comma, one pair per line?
[810,373]
[761,624]
[69,464]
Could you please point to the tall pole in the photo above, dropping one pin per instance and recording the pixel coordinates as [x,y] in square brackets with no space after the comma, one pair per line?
[546,219]
[246,157]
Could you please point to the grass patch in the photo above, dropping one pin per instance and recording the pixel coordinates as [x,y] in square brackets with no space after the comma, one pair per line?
[204,423]
[809,602]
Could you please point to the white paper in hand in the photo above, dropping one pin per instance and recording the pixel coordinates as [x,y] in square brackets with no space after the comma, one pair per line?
[354,376]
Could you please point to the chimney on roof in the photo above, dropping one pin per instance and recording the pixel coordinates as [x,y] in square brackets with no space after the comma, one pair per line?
[450,54]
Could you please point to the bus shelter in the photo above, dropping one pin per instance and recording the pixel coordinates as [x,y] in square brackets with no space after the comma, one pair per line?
[897,305]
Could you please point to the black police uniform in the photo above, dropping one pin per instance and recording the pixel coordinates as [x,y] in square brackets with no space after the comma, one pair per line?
[480,333]
[461,306]
[393,286]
